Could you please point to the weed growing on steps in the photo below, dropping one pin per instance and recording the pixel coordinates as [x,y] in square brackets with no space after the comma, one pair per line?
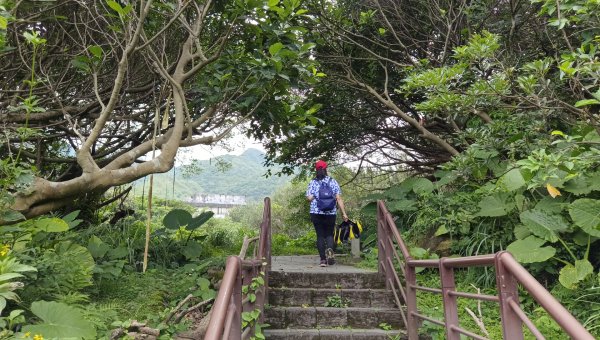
[337,301]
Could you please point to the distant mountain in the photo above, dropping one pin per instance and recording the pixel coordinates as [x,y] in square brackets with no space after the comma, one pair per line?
[242,175]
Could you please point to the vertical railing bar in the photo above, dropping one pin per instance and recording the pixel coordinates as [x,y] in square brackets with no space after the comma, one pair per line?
[228,324]
[384,262]
[402,314]
[411,304]
[397,279]
[449,301]
[399,260]
[534,330]
[512,328]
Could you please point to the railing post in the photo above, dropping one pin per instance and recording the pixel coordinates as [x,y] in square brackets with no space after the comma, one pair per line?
[512,326]
[450,303]
[411,302]
[380,237]
[236,305]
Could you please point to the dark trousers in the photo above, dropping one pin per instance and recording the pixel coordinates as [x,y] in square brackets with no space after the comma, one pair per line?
[324,225]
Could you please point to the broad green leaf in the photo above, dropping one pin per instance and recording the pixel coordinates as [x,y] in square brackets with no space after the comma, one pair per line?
[402,205]
[587,102]
[115,6]
[60,321]
[9,276]
[96,51]
[276,47]
[530,250]
[568,276]
[584,268]
[551,205]
[511,181]
[543,224]
[578,186]
[396,192]
[11,216]
[97,247]
[494,206]
[422,186]
[203,283]
[199,220]
[51,225]
[585,213]
[3,23]
[521,231]
[571,275]
[192,250]
[177,218]
[592,136]
[273,3]
[118,253]
[441,231]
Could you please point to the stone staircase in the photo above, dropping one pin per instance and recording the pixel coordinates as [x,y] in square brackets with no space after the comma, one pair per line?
[297,307]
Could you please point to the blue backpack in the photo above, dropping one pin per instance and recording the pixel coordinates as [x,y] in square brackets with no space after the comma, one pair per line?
[326,200]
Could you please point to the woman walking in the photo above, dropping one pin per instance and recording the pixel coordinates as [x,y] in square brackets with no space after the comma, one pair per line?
[323,193]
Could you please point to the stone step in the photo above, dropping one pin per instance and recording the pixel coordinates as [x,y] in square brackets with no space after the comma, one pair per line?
[280,279]
[333,334]
[290,297]
[329,317]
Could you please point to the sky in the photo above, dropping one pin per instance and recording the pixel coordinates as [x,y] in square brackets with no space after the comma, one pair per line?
[233,146]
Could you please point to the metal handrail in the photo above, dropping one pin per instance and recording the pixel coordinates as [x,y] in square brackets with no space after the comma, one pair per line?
[226,318]
[509,274]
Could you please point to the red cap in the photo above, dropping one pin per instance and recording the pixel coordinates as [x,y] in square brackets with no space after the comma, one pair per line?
[320,165]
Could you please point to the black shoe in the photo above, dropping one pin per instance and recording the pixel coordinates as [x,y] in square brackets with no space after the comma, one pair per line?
[323,263]
[330,256]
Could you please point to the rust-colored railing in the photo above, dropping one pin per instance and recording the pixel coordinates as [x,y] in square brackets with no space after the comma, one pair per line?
[226,319]
[509,274]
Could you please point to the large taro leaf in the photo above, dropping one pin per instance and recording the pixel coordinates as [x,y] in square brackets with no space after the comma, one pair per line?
[543,224]
[585,213]
[530,250]
[571,275]
[551,205]
[60,321]
[199,220]
[97,247]
[192,250]
[494,206]
[177,218]
[578,186]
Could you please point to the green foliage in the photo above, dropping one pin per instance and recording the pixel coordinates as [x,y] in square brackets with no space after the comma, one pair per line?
[283,244]
[178,218]
[60,321]
[10,269]
[64,269]
[337,301]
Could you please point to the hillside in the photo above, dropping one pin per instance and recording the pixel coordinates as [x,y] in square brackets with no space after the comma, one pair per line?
[242,175]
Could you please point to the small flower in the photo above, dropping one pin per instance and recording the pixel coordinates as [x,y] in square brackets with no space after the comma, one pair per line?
[4,250]
[27,334]
[38,337]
